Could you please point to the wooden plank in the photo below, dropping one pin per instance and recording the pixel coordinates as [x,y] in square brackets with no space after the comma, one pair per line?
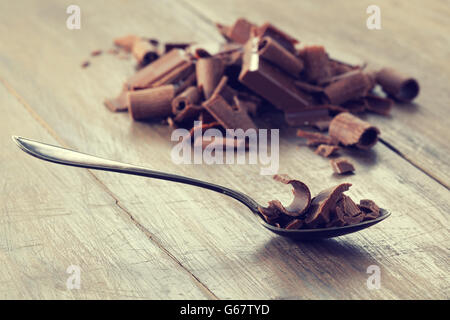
[213,237]
[409,31]
[53,217]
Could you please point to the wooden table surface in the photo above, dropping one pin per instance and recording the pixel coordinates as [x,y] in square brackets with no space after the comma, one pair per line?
[139,238]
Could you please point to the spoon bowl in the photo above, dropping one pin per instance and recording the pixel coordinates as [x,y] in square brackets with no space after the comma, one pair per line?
[74,158]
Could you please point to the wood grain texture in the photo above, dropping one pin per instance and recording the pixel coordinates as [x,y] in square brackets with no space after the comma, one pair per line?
[214,238]
[53,217]
[412,39]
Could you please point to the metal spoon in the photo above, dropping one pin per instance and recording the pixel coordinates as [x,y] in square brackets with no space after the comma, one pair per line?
[77,159]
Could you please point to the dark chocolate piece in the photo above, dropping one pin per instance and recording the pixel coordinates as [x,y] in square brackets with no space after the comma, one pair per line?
[269,30]
[352,131]
[271,83]
[229,116]
[271,50]
[341,166]
[398,85]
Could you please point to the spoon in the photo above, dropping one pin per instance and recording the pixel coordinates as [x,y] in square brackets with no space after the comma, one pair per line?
[77,159]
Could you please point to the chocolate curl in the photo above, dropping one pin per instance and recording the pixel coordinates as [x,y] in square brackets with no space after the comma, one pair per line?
[378,105]
[270,82]
[397,85]
[269,30]
[272,51]
[240,31]
[316,62]
[184,106]
[322,205]
[302,196]
[126,42]
[347,88]
[144,52]
[352,131]
[189,97]
[209,71]
[156,70]
[151,103]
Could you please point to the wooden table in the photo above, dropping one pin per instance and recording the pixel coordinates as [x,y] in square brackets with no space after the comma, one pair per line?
[139,238]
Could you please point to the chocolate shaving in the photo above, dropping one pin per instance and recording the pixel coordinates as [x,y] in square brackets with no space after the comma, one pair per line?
[302,196]
[316,62]
[272,51]
[326,150]
[269,30]
[151,103]
[144,52]
[209,72]
[399,86]
[145,77]
[341,166]
[228,116]
[347,88]
[352,131]
[322,205]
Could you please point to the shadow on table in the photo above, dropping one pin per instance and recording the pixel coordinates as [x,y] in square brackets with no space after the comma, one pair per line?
[331,256]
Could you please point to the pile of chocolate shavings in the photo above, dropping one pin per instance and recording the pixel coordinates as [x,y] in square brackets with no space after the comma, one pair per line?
[329,208]
[224,85]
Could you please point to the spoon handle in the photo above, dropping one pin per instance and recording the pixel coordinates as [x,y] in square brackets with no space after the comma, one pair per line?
[74,158]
